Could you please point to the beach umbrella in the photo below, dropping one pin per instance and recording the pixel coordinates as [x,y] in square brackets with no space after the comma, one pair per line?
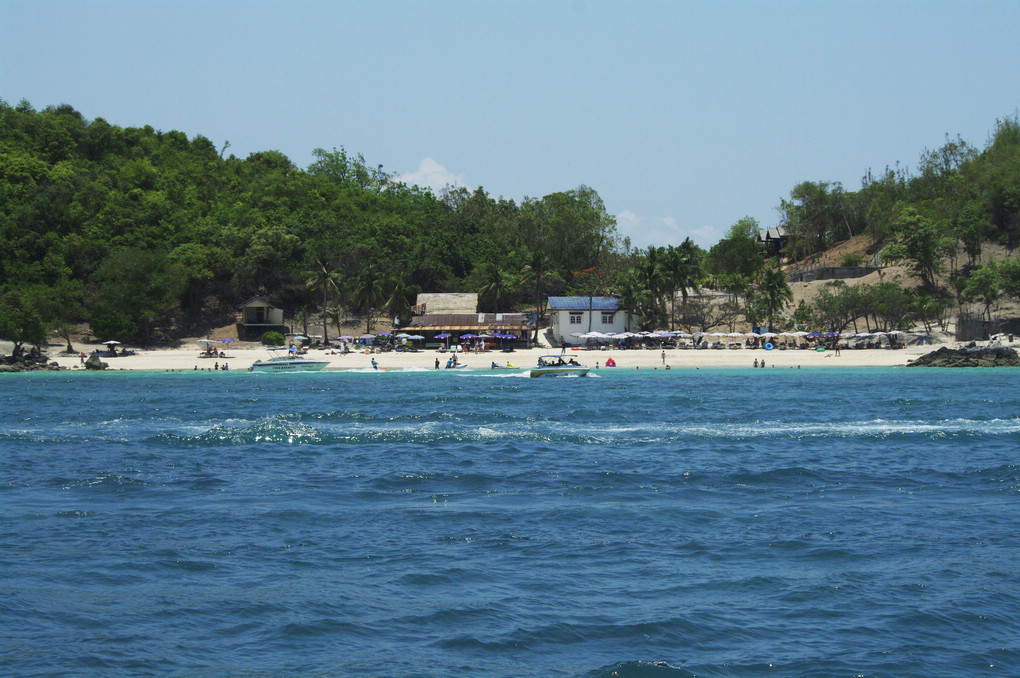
[813,335]
[299,337]
[346,337]
[111,343]
[384,334]
[228,340]
[415,337]
[444,335]
[469,336]
[403,335]
[367,336]
[200,341]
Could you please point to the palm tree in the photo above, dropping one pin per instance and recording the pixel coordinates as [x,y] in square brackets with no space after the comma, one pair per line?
[367,292]
[680,269]
[336,315]
[495,287]
[774,291]
[324,278]
[399,296]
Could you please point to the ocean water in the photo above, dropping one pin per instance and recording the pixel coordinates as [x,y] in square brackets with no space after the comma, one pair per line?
[635,524]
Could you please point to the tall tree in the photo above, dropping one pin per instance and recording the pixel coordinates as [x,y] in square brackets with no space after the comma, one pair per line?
[922,243]
[323,279]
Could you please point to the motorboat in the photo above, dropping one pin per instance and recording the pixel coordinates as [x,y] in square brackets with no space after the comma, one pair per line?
[287,361]
[557,366]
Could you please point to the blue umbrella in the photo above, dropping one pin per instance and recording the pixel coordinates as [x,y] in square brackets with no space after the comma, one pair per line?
[442,336]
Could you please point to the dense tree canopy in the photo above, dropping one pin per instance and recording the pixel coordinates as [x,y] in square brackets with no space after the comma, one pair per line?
[157,232]
[146,234]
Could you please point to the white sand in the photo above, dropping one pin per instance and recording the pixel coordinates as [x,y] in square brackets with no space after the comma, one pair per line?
[241,355]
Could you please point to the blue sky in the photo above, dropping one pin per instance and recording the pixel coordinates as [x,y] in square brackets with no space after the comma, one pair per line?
[685,116]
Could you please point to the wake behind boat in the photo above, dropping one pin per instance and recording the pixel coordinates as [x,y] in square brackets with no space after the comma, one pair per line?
[289,361]
[556,366]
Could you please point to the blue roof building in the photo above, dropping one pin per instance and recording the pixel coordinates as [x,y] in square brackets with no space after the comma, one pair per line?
[574,317]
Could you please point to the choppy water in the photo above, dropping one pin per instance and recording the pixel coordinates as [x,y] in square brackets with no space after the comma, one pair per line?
[659,524]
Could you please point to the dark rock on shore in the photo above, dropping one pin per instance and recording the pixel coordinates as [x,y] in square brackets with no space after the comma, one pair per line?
[94,363]
[970,355]
[27,363]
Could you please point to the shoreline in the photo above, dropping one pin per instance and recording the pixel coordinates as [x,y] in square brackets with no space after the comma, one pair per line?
[241,358]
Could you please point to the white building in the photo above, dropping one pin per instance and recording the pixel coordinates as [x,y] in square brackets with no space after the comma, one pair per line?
[580,315]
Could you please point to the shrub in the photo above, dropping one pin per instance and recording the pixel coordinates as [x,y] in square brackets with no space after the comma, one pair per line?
[852,259]
[272,339]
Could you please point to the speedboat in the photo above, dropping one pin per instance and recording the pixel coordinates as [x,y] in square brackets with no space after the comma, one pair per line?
[289,361]
[556,366]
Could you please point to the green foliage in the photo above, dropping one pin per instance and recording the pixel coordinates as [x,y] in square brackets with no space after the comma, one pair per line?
[922,243]
[739,252]
[851,259]
[272,338]
[20,321]
[144,232]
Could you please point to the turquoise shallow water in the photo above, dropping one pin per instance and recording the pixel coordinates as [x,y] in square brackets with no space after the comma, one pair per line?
[682,523]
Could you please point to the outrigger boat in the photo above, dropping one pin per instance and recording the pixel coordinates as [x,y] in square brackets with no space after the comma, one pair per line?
[556,366]
[290,361]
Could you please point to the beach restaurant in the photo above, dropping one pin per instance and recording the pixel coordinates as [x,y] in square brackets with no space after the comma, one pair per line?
[499,327]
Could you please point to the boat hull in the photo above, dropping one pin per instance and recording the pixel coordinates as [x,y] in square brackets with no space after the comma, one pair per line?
[571,371]
[288,366]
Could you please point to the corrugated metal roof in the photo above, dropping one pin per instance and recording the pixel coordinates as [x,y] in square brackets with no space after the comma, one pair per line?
[583,303]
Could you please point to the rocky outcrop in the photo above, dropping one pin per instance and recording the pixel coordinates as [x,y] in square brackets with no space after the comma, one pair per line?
[970,355]
[27,363]
[94,363]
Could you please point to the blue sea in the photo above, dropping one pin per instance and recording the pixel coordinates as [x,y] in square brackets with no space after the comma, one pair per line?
[643,523]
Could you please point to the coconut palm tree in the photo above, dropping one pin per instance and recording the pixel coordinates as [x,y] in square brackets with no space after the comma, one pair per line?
[774,291]
[495,286]
[324,278]
[399,295]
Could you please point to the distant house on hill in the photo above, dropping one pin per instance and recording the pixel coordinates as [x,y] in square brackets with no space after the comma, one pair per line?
[580,315]
[773,240]
[258,316]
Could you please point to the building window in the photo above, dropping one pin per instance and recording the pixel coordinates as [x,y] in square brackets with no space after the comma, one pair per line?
[607,317]
[575,318]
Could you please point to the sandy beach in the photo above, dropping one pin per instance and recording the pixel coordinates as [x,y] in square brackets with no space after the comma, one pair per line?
[240,356]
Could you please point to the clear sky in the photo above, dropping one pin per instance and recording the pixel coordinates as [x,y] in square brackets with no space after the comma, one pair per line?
[685,116]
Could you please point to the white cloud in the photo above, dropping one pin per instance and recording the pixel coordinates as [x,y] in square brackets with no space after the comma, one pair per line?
[431,174]
[662,231]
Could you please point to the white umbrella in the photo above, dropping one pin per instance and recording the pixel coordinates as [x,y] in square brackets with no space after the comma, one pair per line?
[298,337]
[111,343]
[200,341]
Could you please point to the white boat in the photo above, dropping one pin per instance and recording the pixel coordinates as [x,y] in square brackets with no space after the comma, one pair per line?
[289,361]
[556,366]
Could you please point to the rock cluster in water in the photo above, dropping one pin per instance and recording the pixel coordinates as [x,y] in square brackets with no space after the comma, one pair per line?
[971,355]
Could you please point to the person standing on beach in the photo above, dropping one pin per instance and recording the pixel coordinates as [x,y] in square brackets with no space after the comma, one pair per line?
[663,357]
